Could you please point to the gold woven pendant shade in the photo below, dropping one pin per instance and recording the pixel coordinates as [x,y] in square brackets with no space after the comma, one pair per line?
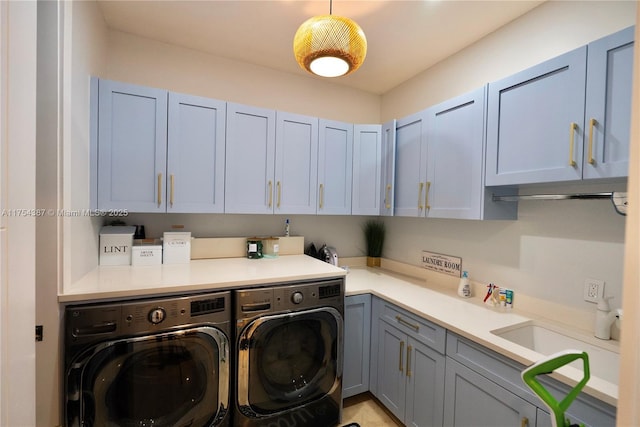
[330,46]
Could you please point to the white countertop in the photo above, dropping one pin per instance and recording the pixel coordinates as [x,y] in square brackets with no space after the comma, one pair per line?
[468,318]
[109,282]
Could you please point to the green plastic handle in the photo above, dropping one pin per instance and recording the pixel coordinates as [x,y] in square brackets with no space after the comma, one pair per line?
[547,366]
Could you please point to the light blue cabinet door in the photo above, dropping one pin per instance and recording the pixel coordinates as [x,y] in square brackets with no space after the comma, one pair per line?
[425,386]
[387,184]
[132,147]
[335,168]
[455,136]
[367,167]
[296,168]
[250,159]
[608,105]
[357,338]
[195,157]
[392,344]
[472,400]
[535,123]
[411,165]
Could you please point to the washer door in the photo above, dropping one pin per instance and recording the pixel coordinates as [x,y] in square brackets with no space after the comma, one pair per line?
[171,379]
[287,360]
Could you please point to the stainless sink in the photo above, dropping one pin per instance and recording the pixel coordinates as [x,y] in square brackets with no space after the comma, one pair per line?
[604,357]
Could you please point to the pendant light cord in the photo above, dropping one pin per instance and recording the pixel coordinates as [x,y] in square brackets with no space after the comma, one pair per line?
[330,7]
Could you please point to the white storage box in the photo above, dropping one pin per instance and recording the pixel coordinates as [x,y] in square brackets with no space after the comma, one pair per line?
[146,255]
[176,247]
[115,244]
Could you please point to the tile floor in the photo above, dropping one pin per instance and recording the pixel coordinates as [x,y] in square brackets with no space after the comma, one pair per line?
[365,410]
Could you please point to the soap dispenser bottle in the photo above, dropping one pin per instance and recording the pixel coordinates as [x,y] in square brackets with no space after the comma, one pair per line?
[464,288]
[604,319]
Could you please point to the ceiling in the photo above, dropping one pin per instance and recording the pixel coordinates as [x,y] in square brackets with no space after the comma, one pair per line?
[404,37]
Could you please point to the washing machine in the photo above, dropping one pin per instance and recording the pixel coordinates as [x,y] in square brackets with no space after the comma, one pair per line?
[289,354]
[149,362]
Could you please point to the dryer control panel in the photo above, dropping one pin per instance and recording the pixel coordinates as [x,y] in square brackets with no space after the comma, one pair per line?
[289,297]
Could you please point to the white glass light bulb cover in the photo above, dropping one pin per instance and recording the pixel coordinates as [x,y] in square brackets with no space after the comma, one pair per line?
[329,66]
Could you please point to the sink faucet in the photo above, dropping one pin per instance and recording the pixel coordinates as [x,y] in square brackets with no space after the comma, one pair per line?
[605,318]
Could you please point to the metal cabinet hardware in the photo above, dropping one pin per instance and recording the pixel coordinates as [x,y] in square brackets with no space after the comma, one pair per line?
[406,323]
[572,131]
[592,124]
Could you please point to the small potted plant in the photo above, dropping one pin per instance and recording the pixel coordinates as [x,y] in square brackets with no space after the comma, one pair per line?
[374,232]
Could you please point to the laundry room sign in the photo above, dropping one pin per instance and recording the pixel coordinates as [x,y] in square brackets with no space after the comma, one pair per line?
[442,263]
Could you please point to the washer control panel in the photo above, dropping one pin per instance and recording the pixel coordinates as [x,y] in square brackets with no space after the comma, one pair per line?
[91,322]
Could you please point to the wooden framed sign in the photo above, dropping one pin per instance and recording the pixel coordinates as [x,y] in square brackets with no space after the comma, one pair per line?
[441,263]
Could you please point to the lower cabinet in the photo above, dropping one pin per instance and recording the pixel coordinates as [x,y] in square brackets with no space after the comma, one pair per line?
[479,380]
[472,400]
[357,339]
[410,373]
[428,376]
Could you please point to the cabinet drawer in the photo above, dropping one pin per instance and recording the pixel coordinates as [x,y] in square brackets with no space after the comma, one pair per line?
[422,330]
[506,373]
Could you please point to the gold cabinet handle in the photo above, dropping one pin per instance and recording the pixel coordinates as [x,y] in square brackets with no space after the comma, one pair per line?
[321,195]
[420,186]
[426,195]
[409,349]
[406,323]
[592,124]
[386,197]
[278,186]
[524,422]
[401,355]
[572,132]
[270,193]
[159,189]
[172,185]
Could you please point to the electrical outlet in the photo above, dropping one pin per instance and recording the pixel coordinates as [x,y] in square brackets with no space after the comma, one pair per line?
[593,290]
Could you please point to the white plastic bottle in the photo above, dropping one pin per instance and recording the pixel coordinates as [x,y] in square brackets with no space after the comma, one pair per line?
[464,288]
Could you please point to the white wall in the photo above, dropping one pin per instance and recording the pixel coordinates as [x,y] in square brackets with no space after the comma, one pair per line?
[18,25]
[553,246]
[553,28]
[629,391]
[143,61]
[542,254]
[85,55]
[47,351]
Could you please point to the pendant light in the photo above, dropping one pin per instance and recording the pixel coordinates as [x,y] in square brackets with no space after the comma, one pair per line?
[330,46]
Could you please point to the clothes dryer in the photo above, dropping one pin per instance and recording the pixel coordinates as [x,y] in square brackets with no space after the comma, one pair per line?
[289,351]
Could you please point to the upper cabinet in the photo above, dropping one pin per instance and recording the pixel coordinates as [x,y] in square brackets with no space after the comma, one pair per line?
[608,105]
[388,170]
[195,155]
[537,130]
[250,159]
[535,123]
[271,163]
[335,168]
[440,160]
[159,152]
[411,165]
[367,164]
[296,164]
[131,147]
[455,136]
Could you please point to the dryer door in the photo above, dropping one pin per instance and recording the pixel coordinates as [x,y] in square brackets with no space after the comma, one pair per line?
[171,379]
[288,360]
